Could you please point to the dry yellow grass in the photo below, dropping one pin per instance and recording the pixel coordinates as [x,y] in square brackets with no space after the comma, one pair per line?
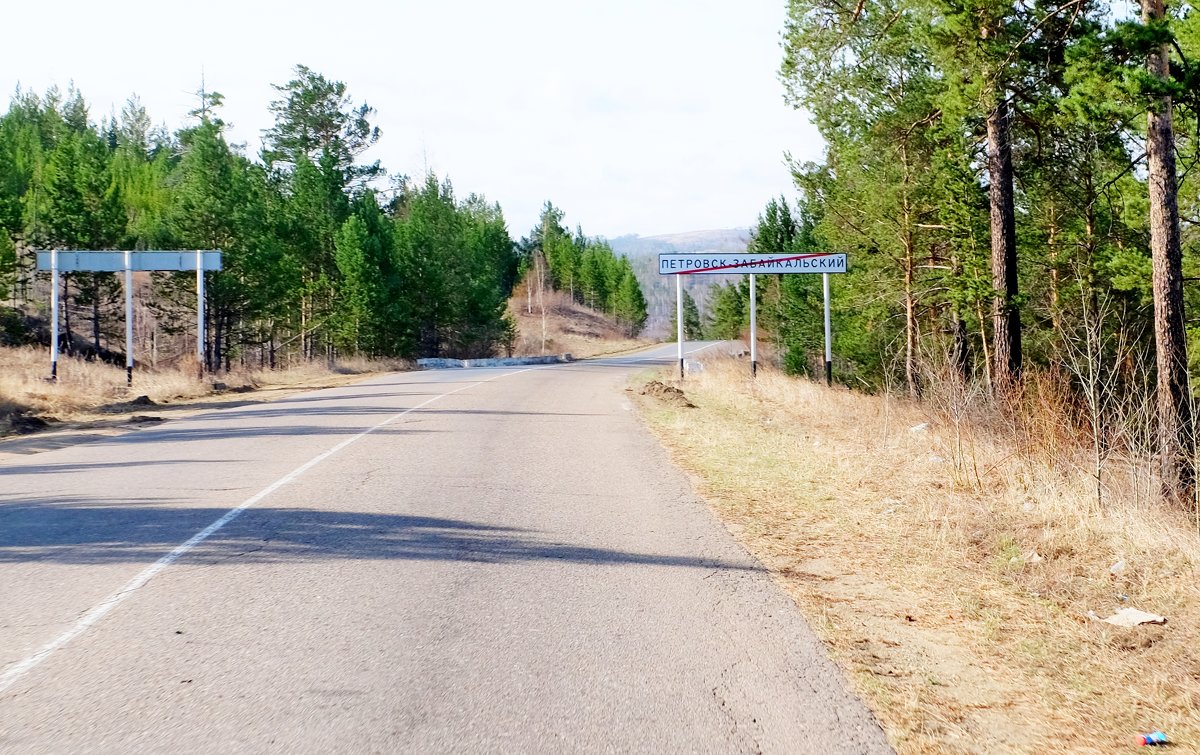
[88,391]
[949,574]
[81,385]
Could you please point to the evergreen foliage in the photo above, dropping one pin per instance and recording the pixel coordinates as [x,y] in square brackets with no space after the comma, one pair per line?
[901,91]
[1002,176]
[316,264]
[586,268]
[693,324]
[730,303]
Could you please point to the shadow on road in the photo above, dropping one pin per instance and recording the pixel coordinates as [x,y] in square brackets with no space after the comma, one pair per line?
[123,466]
[217,427]
[79,531]
[174,433]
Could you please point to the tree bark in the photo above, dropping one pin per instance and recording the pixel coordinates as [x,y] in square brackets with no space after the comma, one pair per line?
[1006,318]
[96,316]
[66,307]
[219,356]
[1175,424]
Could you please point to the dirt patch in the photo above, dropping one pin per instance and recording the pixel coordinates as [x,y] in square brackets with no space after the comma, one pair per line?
[19,422]
[124,407]
[668,394]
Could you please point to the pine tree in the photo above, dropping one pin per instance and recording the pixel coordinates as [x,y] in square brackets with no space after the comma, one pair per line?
[316,119]
[629,304]
[357,287]
[1176,434]
[218,203]
[82,210]
[8,264]
[728,308]
[693,329]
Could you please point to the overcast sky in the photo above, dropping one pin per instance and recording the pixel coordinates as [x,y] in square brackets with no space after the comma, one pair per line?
[633,116]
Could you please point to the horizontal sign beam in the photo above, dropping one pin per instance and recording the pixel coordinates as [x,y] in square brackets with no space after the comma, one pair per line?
[726,264]
[114,262]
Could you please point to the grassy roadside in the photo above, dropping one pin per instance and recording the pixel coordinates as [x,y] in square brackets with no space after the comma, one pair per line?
[957,603]
[93,396]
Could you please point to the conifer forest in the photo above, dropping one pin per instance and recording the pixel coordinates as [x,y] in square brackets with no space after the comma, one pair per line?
[1016,186]
[324,253]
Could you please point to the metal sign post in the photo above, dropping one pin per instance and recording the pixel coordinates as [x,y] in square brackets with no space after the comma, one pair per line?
[828,339]
[200,312]
[753,328]
[679,320]
[721,263]
[57,261]
[54,314]
[128,319]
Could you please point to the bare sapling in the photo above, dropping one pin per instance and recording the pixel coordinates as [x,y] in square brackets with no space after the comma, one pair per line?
[1092,353]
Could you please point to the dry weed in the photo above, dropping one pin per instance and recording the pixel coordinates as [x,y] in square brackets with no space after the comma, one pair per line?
[953,562]
[81,385]
[85,390]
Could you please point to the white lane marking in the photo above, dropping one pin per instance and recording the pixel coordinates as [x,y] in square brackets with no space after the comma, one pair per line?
[99,611]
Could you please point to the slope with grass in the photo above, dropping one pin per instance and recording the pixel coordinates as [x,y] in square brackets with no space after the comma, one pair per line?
[567,327]
[957,570]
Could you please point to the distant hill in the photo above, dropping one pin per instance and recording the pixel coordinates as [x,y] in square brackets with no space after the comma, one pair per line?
[724,240]
[643,252]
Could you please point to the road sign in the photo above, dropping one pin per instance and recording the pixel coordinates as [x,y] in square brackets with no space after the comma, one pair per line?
[114,262]
[725,264]
[760,264]
[76,261]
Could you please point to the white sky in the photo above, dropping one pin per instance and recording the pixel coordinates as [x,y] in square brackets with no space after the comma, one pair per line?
[650,116]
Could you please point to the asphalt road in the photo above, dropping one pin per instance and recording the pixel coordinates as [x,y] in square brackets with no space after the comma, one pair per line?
[487,560]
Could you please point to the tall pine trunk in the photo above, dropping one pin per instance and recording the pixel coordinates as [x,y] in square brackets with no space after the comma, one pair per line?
[96,315]
[66,309]
[1175,431]
[1006,318]
[1055,283]
[220,358]
[910,273]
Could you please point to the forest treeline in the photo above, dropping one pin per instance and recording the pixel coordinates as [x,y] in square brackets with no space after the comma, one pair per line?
[585,268]
[1015,185]
[319,258]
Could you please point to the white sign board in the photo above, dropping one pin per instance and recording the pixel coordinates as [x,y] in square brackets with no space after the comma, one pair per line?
[77,261]
[114,262]
[723,264]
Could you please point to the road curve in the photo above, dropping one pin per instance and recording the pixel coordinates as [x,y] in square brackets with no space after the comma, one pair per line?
[488,560]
